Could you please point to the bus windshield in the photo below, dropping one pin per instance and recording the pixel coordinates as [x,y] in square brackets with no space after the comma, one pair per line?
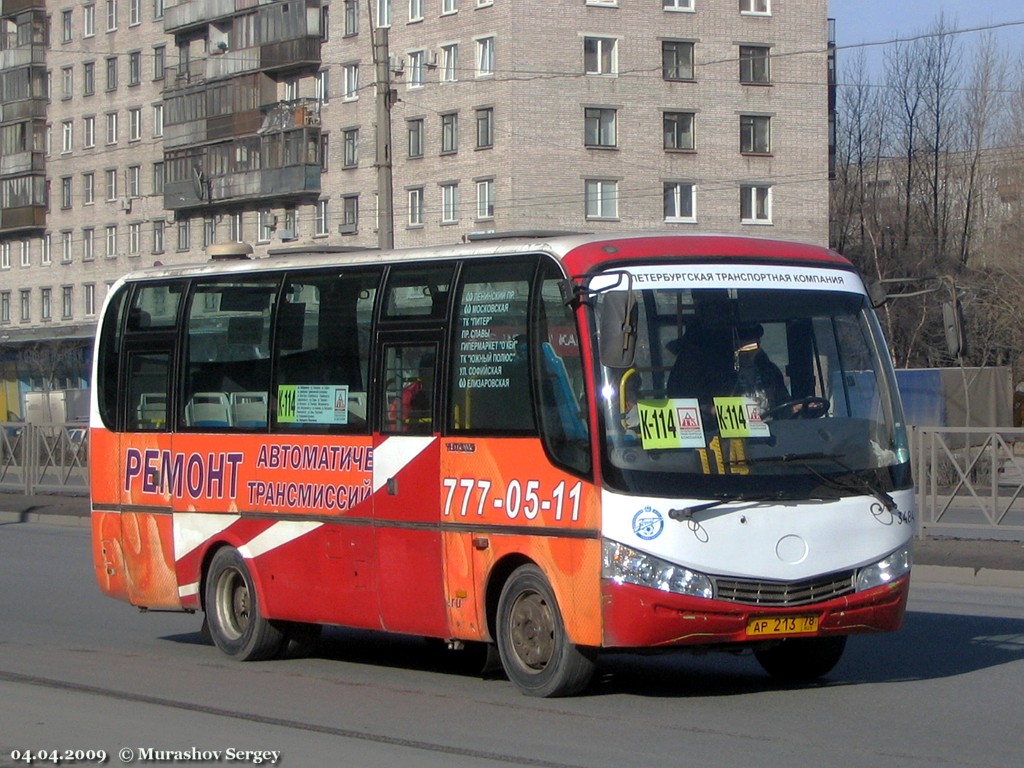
[748,392]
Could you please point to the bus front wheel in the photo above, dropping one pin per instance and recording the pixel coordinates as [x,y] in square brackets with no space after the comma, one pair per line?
[233,615]
[801,660]
[535,651]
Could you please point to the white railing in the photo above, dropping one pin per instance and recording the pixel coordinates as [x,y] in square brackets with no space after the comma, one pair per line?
[44,458]
[970,480]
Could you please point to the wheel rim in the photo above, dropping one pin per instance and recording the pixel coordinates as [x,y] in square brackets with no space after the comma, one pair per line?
[233,603]
[532,631]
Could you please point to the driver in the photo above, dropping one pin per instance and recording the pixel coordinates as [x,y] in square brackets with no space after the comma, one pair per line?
[757,377]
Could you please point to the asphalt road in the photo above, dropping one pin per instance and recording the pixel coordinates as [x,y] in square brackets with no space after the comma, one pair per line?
[79,671]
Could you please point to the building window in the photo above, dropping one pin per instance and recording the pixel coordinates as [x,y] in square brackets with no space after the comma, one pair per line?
[679,202]
[89,78]
[47,255]
[599,56]
[236,233]
[67,135]
[111,15]
[158,236]
[449,203]
[88,237]
[5,255]
[134,238]
[350,214]
[415,10]
[599,127]
[135,124]
[65,26]
[67,82]
[755,204]
[111,238]
[676,60]
[417,75]
[89,129]
[134,68]
[416,200]
[44,303]
[184,234]
[755,134]
[383,13]
[415,131]
[90,299]
[321,86]
[449,6]
[350,148]
[677,5]
[158,120]
[111,184]
[26,305]
[112,128]
[67,294]
[758,7]
[351,18]
[484,127]
[449,63]
[754,69]
[134,12]
[325,141]
[5,307]
[351,92]
[26,253]
[159,61]
[65,194]
[209,231]
[485,56]
[88,188]
[265,221]
[65,246]
[88,20]
[602,198]
[678,130]
[449,133]
[321,221]
[158,9]
[159,178]
[485,199]
[111,73]
[134,181]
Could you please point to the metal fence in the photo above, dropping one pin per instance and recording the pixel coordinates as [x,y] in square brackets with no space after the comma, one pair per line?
[970,481]
[44,458]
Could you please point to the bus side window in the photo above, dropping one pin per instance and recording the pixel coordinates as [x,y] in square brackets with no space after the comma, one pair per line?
[409,370]
[490,366]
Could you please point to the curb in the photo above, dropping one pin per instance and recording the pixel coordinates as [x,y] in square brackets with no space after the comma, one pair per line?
[969,577]
[46,518]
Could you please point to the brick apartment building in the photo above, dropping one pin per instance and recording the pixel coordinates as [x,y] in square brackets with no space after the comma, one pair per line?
[139,131]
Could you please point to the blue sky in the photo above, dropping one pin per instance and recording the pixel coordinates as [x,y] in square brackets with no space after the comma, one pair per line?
[875,21]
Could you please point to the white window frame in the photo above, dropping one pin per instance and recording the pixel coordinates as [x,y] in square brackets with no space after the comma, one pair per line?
[66,240]
[449,7]
[603,59]
[67,294]
[672,207]
[88,243]
[67,136]
[321,86]
[111,240]
[417,199]
[134,237]
[45,303]
[134,181]
[88,188]
[321,221]
[485,56]
[158,120]
[450,63]
[350,212]
[383,13]
[111,128]
[159,236]
[756,204]
[675,6]
[417,72]
[89,131]
[89,20]
[26,253]
[350,148]
[601,199]
[351,84]
[600,127]
[111,15]
[135,124]
[450,202]
[111,174]
[134,12]
[89,299]
[665,133]
[686,78]
[756,7]
[485,199]
[755,134]
[46,257]
[750,63]
[416,10]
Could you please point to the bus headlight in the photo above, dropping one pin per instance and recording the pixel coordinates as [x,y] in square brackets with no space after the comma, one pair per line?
[885,570]
[628,566]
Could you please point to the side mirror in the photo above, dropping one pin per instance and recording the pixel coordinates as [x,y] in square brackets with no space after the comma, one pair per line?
[877,294]
[618,312]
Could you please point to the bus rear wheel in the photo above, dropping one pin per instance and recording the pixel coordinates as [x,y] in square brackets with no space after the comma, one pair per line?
[801,660]
[233,615]
[535,651]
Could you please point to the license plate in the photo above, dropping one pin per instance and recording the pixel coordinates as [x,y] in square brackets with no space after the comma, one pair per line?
[767,626]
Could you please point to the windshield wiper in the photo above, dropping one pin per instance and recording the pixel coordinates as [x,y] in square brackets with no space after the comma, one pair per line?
[859,484]
[687,513]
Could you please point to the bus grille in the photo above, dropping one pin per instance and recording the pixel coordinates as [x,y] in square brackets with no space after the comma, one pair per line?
[783,593]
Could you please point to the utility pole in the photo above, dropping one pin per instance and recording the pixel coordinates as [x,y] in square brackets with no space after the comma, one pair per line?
[385,203]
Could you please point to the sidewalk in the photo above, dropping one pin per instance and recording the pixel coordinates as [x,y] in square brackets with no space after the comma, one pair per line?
[978,562]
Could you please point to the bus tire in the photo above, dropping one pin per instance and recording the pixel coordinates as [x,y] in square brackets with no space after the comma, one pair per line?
[236,624]
[535,651]
[801,660]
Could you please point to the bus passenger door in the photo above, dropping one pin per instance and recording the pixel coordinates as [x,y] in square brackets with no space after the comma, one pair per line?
[406,467]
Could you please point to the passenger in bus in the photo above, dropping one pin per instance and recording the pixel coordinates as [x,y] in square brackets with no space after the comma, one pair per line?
[757,377]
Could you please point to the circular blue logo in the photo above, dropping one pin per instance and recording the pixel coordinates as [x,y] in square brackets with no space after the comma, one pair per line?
[648,523]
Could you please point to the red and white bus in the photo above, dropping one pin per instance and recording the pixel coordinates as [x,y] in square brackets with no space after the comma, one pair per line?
[553,444]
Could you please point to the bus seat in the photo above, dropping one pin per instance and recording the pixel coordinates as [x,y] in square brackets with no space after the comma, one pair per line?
[249,409]
[208,409]
[152,410]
